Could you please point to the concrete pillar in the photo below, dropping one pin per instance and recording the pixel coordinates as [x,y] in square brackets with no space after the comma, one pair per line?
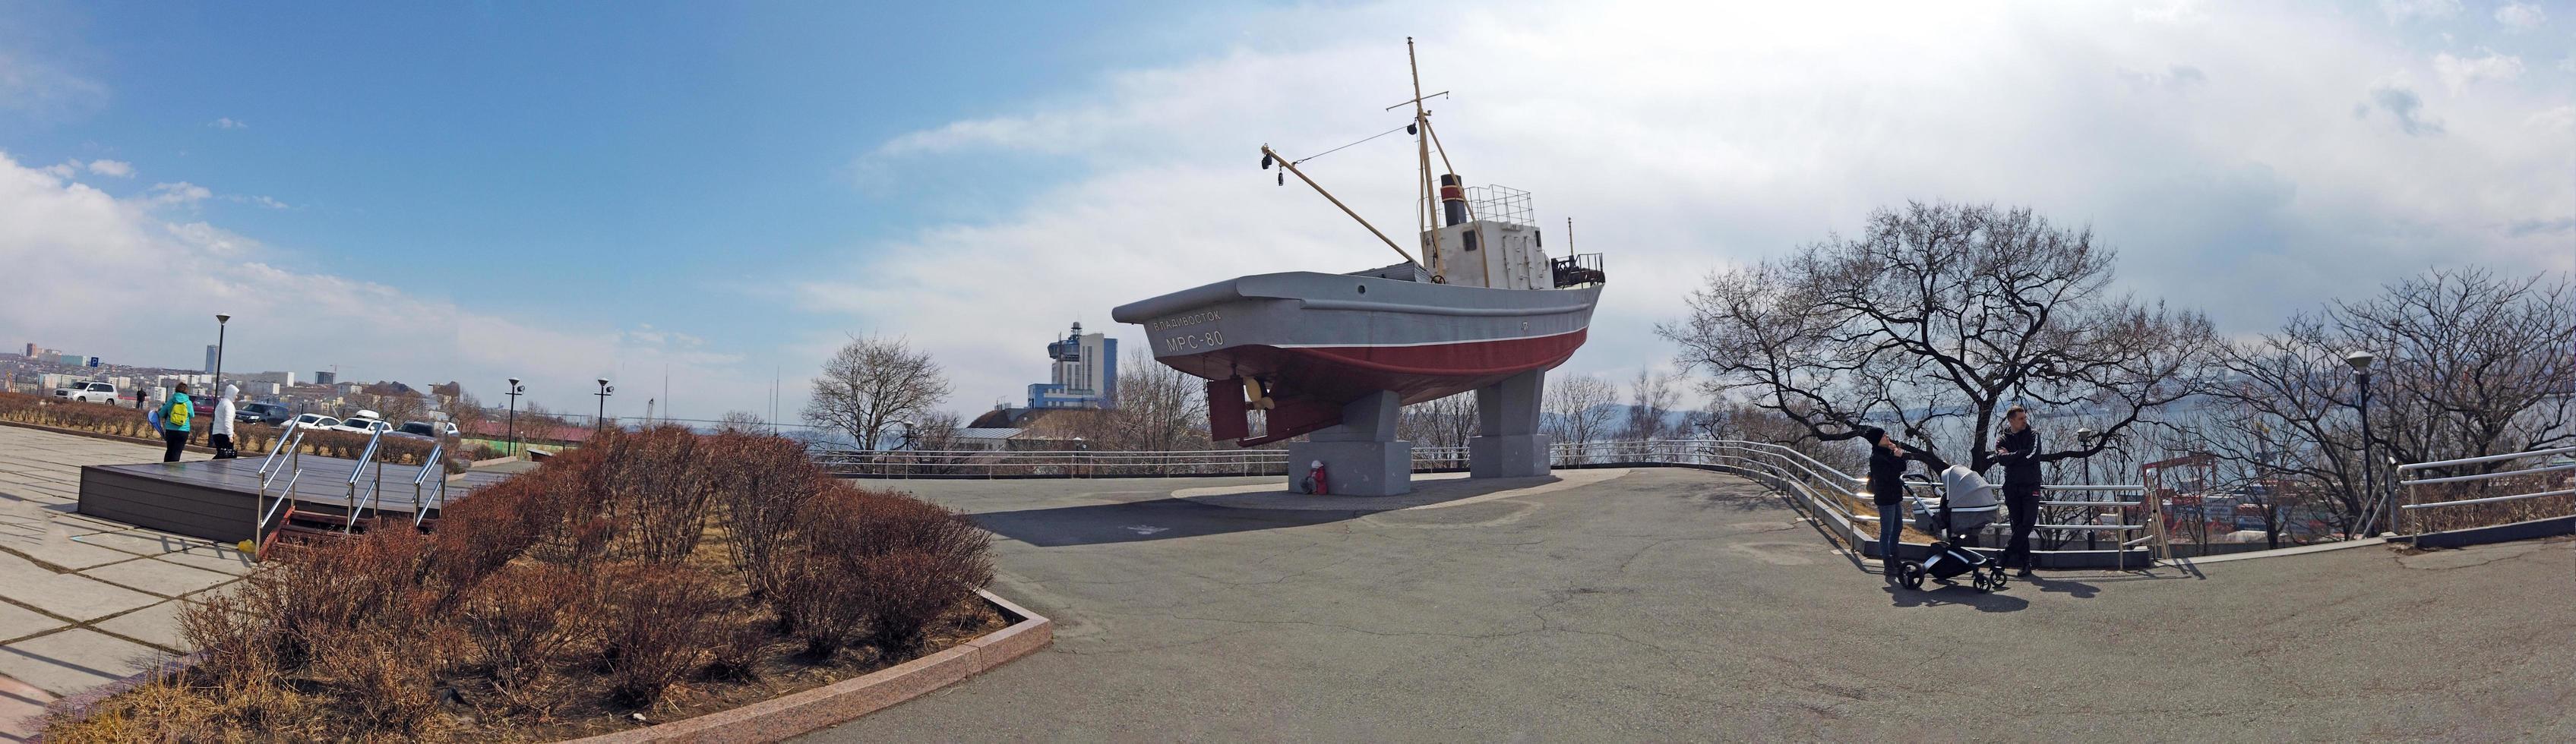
[1507,444]
[1360,456]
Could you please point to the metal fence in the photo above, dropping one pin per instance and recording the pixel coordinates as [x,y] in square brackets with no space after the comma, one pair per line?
[2455,495]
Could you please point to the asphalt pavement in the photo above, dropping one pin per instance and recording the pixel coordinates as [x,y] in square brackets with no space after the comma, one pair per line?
[1670,604]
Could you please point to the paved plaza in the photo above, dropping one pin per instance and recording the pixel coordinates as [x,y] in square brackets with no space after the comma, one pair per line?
[1647,604]
[85,601]
[1671,605]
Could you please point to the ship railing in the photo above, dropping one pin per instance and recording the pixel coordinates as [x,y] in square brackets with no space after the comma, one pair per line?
[2439,500]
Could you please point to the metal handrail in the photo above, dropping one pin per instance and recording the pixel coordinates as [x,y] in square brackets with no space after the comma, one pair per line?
[2403,509]
[2490,499]
[2486,476]
[433,460]
[2487,458]
[290,438]
[375,438]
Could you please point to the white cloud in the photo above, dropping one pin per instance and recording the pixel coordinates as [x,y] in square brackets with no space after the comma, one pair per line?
[2405,10]
[181,193]
[36,89]
[2521,15]
[228,123]
[260,200]
[117,168]
[2460,72]
[1684,140]
[109,277]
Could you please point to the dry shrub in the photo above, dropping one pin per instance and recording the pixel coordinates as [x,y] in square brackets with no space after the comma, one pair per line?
[877,565]
[526,621]
[482,533]
[656,623]
[387,677]
[762,482]
[738,649]
[655,485]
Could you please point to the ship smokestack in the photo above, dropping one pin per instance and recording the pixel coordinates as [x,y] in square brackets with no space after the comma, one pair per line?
[1453,201]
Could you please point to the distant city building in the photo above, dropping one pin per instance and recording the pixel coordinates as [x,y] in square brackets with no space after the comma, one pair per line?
[325,378]
[286,379]
[1085,374]
[72,360]
[31,350]
[212,351]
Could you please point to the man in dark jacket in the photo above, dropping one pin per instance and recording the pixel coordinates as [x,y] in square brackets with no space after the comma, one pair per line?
[2018,452]
[1887,458]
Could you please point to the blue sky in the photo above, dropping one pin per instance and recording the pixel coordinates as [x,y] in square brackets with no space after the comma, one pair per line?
[591,163]
[562,191]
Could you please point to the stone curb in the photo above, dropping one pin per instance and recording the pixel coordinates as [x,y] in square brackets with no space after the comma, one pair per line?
[779,718]
[767,720]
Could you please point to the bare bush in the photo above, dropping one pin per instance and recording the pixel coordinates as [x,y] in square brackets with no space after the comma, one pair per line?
[656,623]
[523,621]
[762,482]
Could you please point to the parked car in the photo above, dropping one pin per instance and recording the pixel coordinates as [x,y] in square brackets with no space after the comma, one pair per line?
[428,429]
[363,423]
[87,392]
[261,413]
[316,421]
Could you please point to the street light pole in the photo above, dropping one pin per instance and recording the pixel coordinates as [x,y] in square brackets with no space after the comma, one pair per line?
[2360,361]
[515,390]
[221,321]
[2084,440]
[605,390]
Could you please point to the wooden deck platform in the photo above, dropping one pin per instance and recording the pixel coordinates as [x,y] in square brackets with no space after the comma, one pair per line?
[213,499]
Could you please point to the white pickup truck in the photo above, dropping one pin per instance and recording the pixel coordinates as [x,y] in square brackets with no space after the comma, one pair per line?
[87,392]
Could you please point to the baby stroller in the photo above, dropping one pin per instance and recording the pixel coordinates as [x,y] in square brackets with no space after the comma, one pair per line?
[1967,504]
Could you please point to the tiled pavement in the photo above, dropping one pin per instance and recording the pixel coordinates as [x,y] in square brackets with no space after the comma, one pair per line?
[84,601]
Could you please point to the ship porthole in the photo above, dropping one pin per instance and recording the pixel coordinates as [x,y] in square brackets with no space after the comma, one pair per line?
[1363,289]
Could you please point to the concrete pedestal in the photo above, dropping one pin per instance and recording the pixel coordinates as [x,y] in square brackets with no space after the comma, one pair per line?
[1355,468]
[1508,456]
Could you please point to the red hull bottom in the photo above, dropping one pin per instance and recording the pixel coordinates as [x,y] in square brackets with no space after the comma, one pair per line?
[1310,384]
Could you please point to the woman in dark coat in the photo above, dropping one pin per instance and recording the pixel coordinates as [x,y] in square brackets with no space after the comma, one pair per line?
[1887,458]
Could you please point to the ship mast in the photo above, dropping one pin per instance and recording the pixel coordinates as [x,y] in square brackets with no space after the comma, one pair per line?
[1422,119]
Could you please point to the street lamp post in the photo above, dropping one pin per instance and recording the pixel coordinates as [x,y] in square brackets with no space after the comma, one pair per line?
[221,321]
[515,390]
[2084,440]
[605,390]
[2360,361]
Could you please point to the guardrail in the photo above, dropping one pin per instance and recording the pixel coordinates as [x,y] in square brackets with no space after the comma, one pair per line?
[292,439]
[2552,479]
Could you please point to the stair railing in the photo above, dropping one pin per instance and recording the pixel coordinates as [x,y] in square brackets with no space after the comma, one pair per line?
[291,441]
[433,464]
[375,440]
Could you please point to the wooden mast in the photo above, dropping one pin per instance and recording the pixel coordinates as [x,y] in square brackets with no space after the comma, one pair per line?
[1422,119]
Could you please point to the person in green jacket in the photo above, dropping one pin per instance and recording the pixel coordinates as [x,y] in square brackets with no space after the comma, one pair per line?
[174,422]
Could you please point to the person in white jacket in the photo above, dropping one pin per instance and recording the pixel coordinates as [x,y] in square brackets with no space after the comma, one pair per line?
[222,440]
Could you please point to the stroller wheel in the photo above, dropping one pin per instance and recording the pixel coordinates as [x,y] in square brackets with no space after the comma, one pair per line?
[1912,577]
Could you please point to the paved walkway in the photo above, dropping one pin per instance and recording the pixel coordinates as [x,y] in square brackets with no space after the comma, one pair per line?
[1669,604]
[85,601]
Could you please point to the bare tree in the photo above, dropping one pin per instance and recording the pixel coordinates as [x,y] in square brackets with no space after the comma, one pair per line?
[1579,408]
[1650,405]
[1441,423]
[871,383]
[1932,320]
[1159,408]
[741,422]
[2471,364]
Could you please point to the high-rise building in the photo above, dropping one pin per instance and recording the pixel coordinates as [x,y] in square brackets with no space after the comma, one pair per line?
[31,349]
[211,352]
[325,377]
[1085,374]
